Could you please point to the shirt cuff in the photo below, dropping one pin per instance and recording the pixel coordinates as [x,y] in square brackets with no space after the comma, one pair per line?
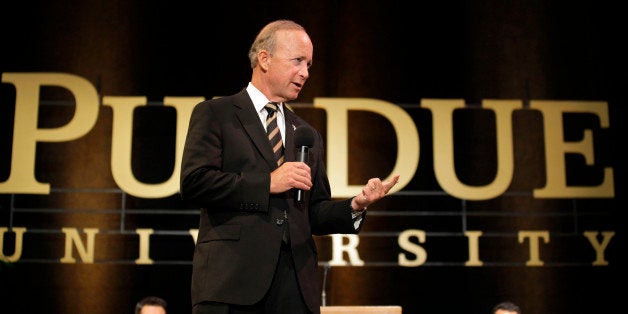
[356,216]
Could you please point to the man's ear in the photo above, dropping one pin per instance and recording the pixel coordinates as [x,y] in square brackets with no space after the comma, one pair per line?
[263,58]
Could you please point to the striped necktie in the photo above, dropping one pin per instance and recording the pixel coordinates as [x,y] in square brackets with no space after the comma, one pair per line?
[274,136]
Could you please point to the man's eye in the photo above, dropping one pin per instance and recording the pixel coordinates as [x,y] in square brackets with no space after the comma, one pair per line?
[298,61]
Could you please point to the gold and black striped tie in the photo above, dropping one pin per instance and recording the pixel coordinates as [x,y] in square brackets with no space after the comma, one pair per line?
[274,136]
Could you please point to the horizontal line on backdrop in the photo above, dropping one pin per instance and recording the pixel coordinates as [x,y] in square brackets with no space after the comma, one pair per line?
[326,264]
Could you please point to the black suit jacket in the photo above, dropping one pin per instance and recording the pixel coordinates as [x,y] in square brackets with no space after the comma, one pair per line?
[226,169]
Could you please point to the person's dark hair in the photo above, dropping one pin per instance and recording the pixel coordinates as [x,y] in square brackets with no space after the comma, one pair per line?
[150,300]
[507,306]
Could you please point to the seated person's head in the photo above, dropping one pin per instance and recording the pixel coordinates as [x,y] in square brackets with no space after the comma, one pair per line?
[151,305]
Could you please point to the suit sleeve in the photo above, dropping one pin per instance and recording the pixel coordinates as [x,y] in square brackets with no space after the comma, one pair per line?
[328,216]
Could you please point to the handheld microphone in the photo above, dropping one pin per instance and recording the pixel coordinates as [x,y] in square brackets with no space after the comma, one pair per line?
[304,140]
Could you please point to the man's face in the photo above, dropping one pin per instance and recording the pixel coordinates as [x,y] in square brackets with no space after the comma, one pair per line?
[290,63]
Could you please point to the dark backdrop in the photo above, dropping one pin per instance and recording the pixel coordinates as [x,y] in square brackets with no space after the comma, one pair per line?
[400,52]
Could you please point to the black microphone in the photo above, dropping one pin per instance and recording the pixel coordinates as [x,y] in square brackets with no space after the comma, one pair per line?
[304,140]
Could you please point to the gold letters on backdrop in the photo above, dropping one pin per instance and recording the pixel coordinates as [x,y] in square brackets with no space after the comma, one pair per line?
[413,255]
[26,134]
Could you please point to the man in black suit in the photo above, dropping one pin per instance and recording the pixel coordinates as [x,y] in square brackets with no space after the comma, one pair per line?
[255,252]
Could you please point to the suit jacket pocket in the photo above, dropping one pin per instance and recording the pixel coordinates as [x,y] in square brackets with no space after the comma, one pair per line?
[222,232]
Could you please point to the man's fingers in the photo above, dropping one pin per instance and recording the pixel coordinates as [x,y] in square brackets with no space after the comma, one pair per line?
[388,184]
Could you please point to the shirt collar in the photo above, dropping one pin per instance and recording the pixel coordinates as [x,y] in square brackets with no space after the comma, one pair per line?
[259,100]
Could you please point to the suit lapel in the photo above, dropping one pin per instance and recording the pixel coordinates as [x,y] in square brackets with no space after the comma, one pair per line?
[291,125]
[248,117]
